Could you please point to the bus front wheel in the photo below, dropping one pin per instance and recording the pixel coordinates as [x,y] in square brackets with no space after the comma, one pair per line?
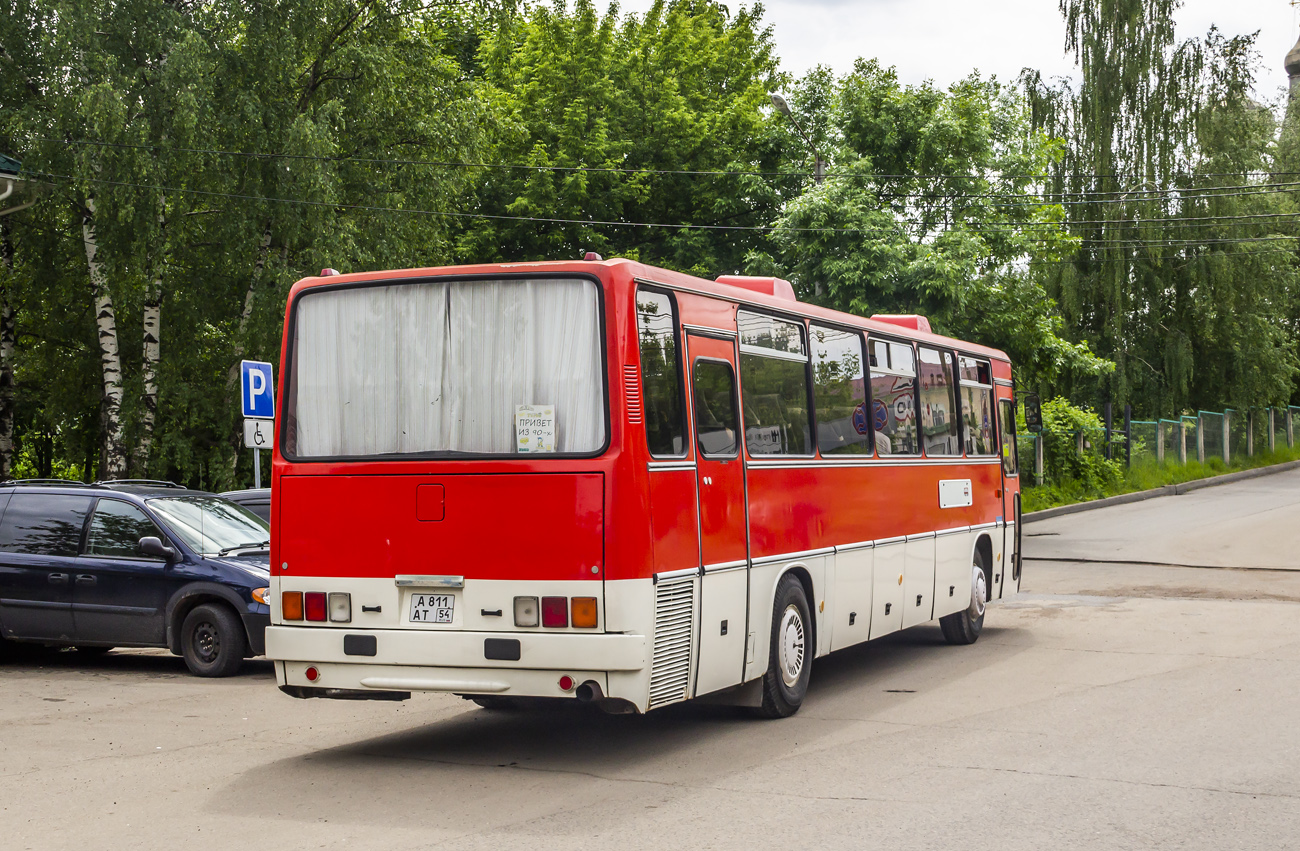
[964,627]
[789,663]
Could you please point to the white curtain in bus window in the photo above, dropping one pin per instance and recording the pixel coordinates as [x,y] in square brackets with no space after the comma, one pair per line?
[839,392]
[977,405]
[774,386]
[442,367]
[938,411]
[893,397]
[661,390]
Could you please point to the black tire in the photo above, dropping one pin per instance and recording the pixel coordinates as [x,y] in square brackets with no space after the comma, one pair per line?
[92,652]
[964,627]
[789,663]
[213,641]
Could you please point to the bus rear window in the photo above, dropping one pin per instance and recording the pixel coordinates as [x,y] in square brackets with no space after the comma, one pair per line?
[483,367]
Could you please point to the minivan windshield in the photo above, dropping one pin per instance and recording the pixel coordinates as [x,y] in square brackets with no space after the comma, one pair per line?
[212,526]
[447,368]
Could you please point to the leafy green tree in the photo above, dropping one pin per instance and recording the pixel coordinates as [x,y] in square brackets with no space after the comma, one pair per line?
[929,208]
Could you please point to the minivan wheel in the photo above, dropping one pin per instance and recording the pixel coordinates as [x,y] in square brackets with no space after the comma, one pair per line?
[212,641]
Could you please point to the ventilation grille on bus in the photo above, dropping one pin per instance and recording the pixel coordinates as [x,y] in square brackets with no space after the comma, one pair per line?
[632,389]
[674,626]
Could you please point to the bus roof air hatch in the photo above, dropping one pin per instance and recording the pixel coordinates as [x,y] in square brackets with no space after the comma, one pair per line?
[905,320]
[775,287]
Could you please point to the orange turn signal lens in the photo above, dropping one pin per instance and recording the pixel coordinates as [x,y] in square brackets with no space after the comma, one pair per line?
[291,605]
[584,612]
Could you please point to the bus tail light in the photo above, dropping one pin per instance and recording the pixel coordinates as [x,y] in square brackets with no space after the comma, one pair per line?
[314,602]
[555,612]
[584,612]
[291,605]
[340,607]
[525,611]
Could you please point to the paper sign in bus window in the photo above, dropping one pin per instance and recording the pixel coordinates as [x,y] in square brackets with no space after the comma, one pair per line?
[534,428]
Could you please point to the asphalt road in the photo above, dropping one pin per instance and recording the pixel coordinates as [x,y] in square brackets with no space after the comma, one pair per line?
[1115,705]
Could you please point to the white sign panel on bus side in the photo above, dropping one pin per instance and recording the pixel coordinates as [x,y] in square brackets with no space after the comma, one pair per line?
[257,433]
[534,428]
[954,493]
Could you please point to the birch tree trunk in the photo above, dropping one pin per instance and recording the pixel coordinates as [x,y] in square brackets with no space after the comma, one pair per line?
[7,337]
[114,453]
[152,328]
[259,266]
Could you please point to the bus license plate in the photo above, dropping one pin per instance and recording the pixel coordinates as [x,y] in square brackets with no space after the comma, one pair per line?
[432,608]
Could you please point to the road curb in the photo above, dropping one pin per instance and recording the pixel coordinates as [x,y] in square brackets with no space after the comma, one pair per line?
[1167,490]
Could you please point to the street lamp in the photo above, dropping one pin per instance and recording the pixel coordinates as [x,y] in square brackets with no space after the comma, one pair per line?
[819,165]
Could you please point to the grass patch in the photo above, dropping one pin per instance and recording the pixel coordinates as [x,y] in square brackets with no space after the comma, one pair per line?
[1145,475]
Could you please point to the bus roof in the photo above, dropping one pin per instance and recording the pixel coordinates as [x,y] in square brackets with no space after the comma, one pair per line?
[631,271]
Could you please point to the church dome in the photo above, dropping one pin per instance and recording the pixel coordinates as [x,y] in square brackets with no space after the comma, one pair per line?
[1293,61]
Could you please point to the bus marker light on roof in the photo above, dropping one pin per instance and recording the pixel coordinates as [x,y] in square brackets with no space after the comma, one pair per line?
[566,683]
[291,605]
[315,604]
[584,612]
[340,607]
[591,255]
[312,674]
[555,612]
[525,611]
[328,272]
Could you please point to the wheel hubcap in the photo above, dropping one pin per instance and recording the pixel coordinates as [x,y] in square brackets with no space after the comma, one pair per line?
[979,592]
[207,642]
[790,646]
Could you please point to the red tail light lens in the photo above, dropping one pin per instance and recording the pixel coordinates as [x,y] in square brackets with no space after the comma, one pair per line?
[555,612]
[315,604]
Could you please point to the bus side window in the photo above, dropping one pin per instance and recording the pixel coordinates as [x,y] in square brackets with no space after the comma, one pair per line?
[893,397]
[938,409]
[714,389]
[977,405]
[1007,429]
[661,388]
[774,386]
[843,425]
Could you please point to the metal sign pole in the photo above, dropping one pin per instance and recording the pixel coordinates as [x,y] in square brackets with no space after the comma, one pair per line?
[257,468]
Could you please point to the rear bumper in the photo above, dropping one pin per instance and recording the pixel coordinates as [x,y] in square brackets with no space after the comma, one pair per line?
[423,648]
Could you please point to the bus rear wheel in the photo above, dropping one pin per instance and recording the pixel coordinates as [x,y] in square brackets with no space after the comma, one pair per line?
[964,627]
[789,663]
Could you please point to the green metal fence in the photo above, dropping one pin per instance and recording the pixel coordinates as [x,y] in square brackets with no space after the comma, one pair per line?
[1223,435]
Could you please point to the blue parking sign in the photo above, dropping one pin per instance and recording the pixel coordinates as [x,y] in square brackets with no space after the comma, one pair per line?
[257,389]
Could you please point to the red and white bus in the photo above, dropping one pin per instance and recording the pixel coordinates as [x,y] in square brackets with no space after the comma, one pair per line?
[604,480]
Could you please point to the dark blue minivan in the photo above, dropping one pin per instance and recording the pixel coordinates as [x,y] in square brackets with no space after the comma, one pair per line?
[133,564]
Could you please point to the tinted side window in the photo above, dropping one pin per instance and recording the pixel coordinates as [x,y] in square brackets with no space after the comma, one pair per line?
[660,384]
[44,524]
[714,388]
[938,408]
[839,392]
[893,398]
[774,383]
[977,406]
[116,529]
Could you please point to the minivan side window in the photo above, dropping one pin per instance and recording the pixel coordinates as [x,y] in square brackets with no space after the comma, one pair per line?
[44,524]
[117,528]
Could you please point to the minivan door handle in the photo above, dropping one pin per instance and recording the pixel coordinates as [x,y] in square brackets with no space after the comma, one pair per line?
[58,578]
[85,579]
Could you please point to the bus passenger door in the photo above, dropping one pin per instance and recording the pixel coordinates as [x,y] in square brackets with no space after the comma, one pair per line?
[1011,563]
[720,480]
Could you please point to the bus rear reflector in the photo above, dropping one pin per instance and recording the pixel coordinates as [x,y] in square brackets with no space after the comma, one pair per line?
[584,612]
[315,605]
[555,612]
[291,605]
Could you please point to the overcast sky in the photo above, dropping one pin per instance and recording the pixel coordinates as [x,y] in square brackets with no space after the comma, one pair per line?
[944,40]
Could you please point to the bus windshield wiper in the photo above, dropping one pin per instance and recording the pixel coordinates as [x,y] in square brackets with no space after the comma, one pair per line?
[251,545]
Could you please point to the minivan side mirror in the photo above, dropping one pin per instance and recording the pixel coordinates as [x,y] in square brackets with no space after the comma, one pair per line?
[151,546]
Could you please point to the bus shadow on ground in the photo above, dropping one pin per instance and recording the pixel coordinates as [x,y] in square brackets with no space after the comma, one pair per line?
[479,764]
[151,664]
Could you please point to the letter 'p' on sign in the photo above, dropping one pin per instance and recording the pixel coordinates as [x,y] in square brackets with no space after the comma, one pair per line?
[257,389]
